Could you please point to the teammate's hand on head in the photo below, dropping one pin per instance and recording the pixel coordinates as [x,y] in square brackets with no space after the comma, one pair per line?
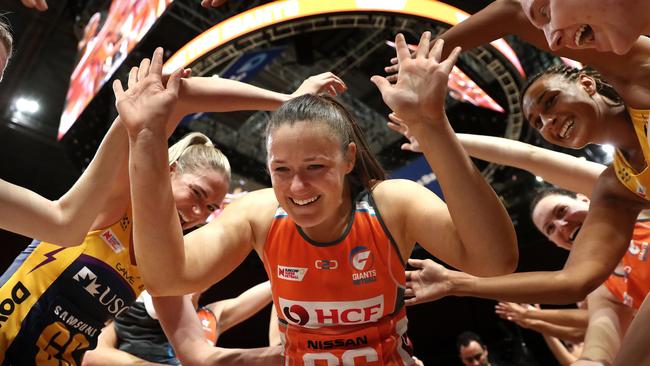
[427,282]
[418,96]
[147,103]
[40,5]
[326,82]
[396,124]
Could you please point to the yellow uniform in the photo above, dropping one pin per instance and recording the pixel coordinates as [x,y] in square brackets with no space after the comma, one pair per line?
[637,182]
[54,300]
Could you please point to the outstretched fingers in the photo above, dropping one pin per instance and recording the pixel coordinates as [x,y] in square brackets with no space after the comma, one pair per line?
[449,63]
[143,69]
[402,48]
[436,51]
[156,63]
[423,46]
[382,84]
[417,263]
[174,82]
[118,90]
[133,77]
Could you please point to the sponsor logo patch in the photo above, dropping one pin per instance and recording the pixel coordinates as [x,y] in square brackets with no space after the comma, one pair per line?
[291,273]
[337,343]
[326,264]
[19,293]
[316,314]
[103,293]
[123,270]
[111,239]
[362,259]
[74,322]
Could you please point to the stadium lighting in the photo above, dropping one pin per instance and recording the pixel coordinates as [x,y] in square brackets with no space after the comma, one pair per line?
[26,105]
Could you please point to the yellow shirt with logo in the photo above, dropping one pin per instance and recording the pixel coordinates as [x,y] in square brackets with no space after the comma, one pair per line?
[55,300]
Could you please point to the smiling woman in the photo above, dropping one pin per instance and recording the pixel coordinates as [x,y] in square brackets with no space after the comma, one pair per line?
[63,288]
[606,25]
[332,233]
[572,108]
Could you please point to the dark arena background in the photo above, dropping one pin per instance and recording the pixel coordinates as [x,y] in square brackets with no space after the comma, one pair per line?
[50,127]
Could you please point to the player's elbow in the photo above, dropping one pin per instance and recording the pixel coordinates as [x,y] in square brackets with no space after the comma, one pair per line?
[65,229]
[156,289]
[93,358]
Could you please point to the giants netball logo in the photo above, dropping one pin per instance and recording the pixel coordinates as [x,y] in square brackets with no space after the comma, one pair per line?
[361,259]
[316,314]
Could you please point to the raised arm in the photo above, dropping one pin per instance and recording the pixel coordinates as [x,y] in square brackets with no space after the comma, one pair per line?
[627,73]
[214,94]
[577,318]
[506,17]
[563,170]
[209,253]
[571,334]
[231,312]
[601,243]
[67,220]
[477,234]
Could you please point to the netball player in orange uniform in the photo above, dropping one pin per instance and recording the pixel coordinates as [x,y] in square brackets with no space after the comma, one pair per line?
[332,232]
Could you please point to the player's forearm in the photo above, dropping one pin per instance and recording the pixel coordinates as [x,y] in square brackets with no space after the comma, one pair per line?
[571,334]
[213,94]
[522,287]
[67,221]
[561,169]
[483,224]
[578,318]
[158,237]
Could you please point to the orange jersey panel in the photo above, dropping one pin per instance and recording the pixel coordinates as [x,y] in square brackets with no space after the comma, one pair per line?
[630,282]
[339,302]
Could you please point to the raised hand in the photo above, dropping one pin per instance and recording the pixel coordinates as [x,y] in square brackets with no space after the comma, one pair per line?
[396,124]
[212,3]
[147,102]
[512,311]
[419,93]
[326,82]
[40,5]
[428,282]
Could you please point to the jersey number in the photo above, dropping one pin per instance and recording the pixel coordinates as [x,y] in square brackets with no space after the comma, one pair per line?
[54,341]
[348,357]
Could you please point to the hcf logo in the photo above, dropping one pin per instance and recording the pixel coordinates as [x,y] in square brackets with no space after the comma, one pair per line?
[316,314]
